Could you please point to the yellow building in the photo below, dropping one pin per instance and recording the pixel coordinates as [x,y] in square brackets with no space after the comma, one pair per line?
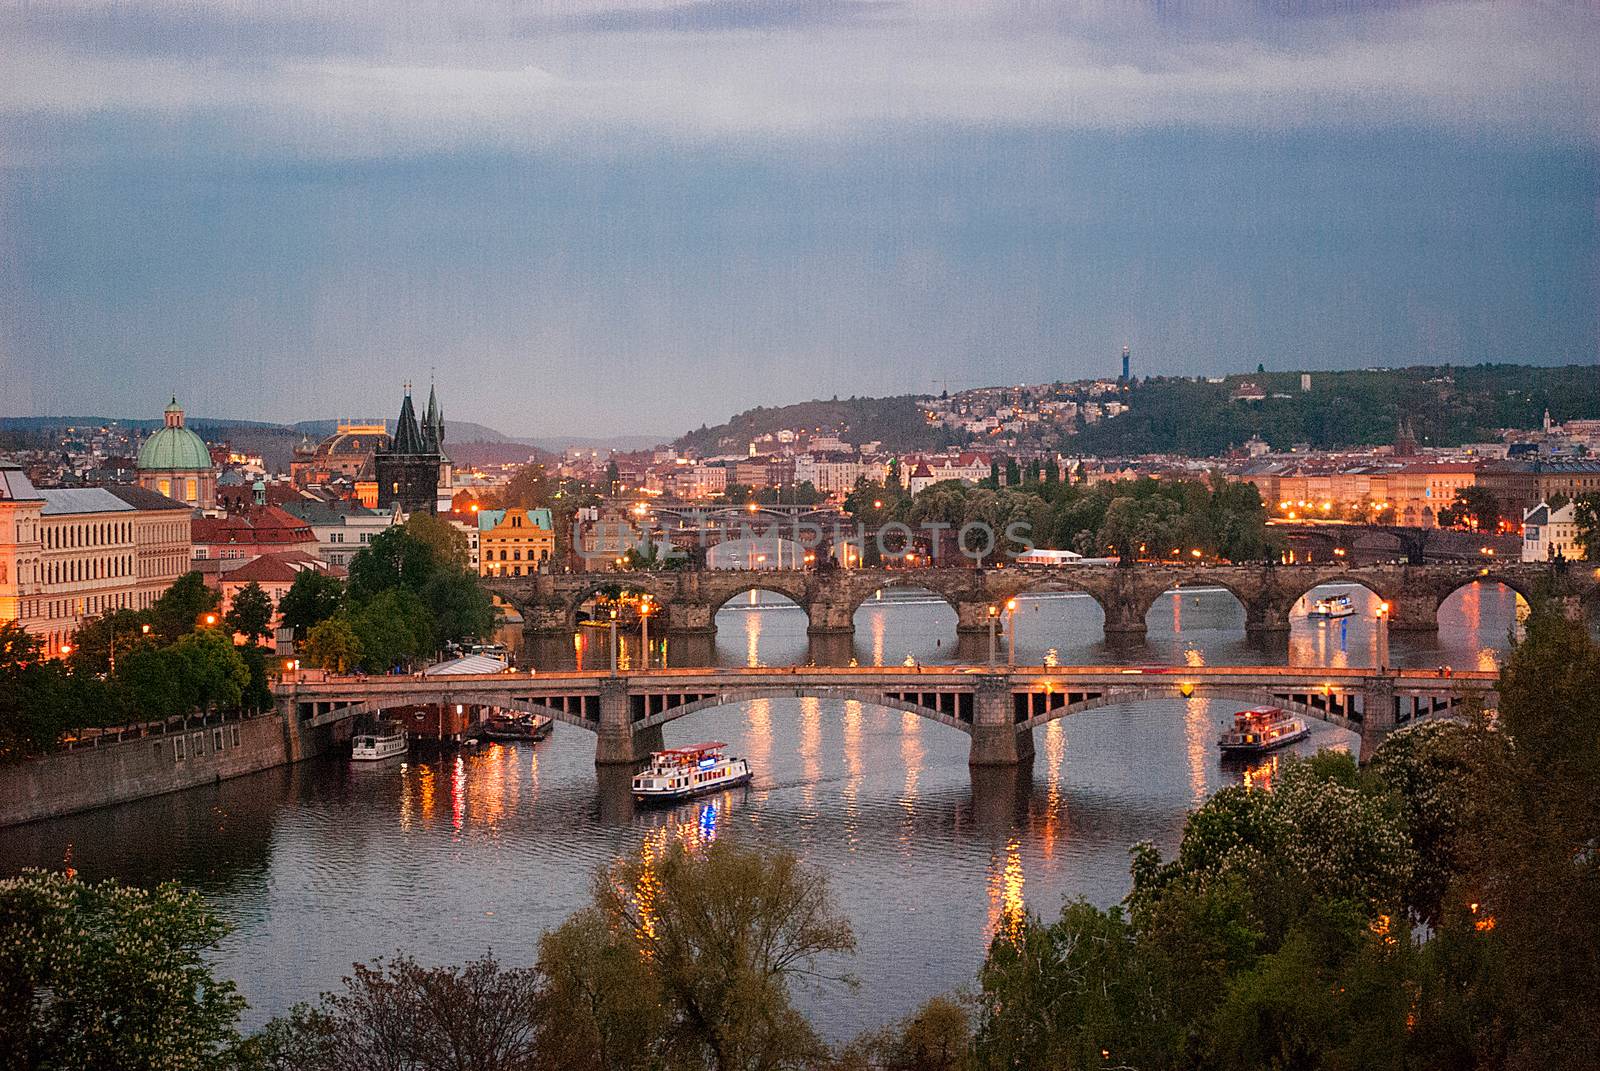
[72,554]
[514,542]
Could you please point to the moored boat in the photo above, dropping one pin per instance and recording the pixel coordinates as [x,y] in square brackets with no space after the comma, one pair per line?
[386,741]
[1332,608]
[515,727]
[683,772]
[1261,729]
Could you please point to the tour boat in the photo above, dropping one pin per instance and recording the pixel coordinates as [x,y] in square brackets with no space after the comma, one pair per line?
[515,727]
[1332,608]
[382,743]
[682,772]
[1261,729]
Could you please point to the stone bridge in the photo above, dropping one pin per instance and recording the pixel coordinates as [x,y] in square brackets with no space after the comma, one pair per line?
[551,602]
[997,707]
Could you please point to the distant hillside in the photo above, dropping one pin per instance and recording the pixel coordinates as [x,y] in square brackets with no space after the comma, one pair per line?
[897,422]
[1446,406]
[463,431]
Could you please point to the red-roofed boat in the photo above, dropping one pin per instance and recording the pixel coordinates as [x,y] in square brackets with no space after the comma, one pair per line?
[683,772]
[1261,729]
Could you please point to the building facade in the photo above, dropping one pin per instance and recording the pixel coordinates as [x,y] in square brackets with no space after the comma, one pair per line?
[1548,533]
[73,554]
[515,541]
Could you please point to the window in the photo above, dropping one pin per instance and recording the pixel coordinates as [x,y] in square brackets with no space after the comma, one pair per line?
[216,740]
[177,750]
[199,744]
[233,735]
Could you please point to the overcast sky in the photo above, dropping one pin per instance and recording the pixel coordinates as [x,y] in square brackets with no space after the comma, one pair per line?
[589,218]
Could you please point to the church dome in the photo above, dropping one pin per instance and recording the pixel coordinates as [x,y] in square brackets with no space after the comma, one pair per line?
[174,448]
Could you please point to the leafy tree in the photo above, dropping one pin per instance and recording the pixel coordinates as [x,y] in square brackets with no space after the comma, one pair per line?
[151,685]
[1473,507]
[37,699]
[100,976]
[333,645]
[448,543]
[393,559]
[211,670]
[725,931]
[936,1037]
[399,1014]
[250,615]
[392,628]
[1586,519]
[460,608]
[181,607]
[92,644]
[613,1016]
[311,599]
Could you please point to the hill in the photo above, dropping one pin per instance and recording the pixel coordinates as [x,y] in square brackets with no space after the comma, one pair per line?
[896,421]
[1446,406]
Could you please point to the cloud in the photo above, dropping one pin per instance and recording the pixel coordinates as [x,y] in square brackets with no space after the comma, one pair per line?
[90,78]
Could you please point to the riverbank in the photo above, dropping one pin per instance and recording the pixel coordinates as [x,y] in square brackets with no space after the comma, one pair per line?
[137,767]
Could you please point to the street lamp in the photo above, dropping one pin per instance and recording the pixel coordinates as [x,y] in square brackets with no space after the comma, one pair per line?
[644,628]
[210,620]
[1382,616]
[994,619]
[1011,632]
[613,641]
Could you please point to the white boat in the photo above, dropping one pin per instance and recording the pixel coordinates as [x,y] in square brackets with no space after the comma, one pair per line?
[682,772]
[383,743]
[1261,729]
[1332,607]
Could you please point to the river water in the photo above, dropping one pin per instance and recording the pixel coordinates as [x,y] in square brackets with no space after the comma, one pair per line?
[446,856]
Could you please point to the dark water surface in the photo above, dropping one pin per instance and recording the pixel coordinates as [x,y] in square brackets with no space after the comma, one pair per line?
[446,856]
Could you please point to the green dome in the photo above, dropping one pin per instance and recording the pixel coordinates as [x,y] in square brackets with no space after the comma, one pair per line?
[174,449]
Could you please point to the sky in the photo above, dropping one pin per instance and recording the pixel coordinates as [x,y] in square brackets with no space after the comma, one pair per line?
[637,216]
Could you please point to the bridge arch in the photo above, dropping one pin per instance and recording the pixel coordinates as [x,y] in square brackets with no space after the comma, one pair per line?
[1200,579]
[861,591]
[795,592]
[527,705]
[946,712]
[1043,582]
[663,590]
[1241,695]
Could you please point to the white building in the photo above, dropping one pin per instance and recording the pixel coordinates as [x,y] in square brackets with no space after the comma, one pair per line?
[1547,532]
[341,528]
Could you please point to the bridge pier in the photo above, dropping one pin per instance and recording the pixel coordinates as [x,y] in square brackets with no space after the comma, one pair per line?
[617,742]
[1414,613]
[829,618]
[1377,716]
[1125,621]
[995,738]
[1266,619]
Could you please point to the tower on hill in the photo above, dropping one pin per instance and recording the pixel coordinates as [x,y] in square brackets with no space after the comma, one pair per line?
[408,471]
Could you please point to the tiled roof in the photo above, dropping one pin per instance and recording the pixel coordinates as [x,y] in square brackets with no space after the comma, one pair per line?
[144,498]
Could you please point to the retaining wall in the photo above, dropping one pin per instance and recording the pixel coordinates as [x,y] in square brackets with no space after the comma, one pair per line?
[86,778]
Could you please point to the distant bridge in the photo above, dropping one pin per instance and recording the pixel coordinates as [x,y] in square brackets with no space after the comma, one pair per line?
[998,707]
[551,602]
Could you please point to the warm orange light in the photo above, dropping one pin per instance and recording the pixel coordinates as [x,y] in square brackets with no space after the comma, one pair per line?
[211,619]
[66,649]
[994,611]
[145,629]
[474,507]
[752,507]
[1011,606]
[1186,689]
[877,503]
[1195,553]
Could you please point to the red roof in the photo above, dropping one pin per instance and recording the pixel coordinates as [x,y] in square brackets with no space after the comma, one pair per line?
[253,526]
[273,568]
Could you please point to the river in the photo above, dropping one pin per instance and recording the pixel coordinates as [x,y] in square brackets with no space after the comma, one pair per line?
[446,856]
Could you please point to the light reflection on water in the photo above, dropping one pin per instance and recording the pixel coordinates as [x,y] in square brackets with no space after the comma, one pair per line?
[323,864]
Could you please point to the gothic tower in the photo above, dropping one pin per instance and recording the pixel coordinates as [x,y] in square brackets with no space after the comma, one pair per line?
[408,472]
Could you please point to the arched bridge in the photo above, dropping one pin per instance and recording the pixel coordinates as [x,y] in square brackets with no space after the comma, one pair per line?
[997,706]
[550,603]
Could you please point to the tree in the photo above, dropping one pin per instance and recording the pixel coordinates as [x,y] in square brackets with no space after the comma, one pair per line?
[392,628]
[725,931]
[459,607]
[1473,507]
[250,615]
[100,976]
[936,1037]
[181,607]
[311,599]
[612,1016]
[37,699]
[150,684]
[400,1015]
[448,543]
[1586,519]
[211,671]
[332,644]
[394,558]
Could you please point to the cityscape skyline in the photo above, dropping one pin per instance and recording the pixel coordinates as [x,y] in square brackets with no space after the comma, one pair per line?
[584,218]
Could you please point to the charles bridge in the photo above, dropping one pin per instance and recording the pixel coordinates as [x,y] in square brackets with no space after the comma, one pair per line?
[688,600]
[997,706]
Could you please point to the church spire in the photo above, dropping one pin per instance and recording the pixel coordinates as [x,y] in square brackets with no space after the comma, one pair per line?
[407,436]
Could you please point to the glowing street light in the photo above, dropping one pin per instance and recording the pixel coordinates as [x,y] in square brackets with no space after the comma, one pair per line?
[1011,632]
[994,620]
[210,619]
